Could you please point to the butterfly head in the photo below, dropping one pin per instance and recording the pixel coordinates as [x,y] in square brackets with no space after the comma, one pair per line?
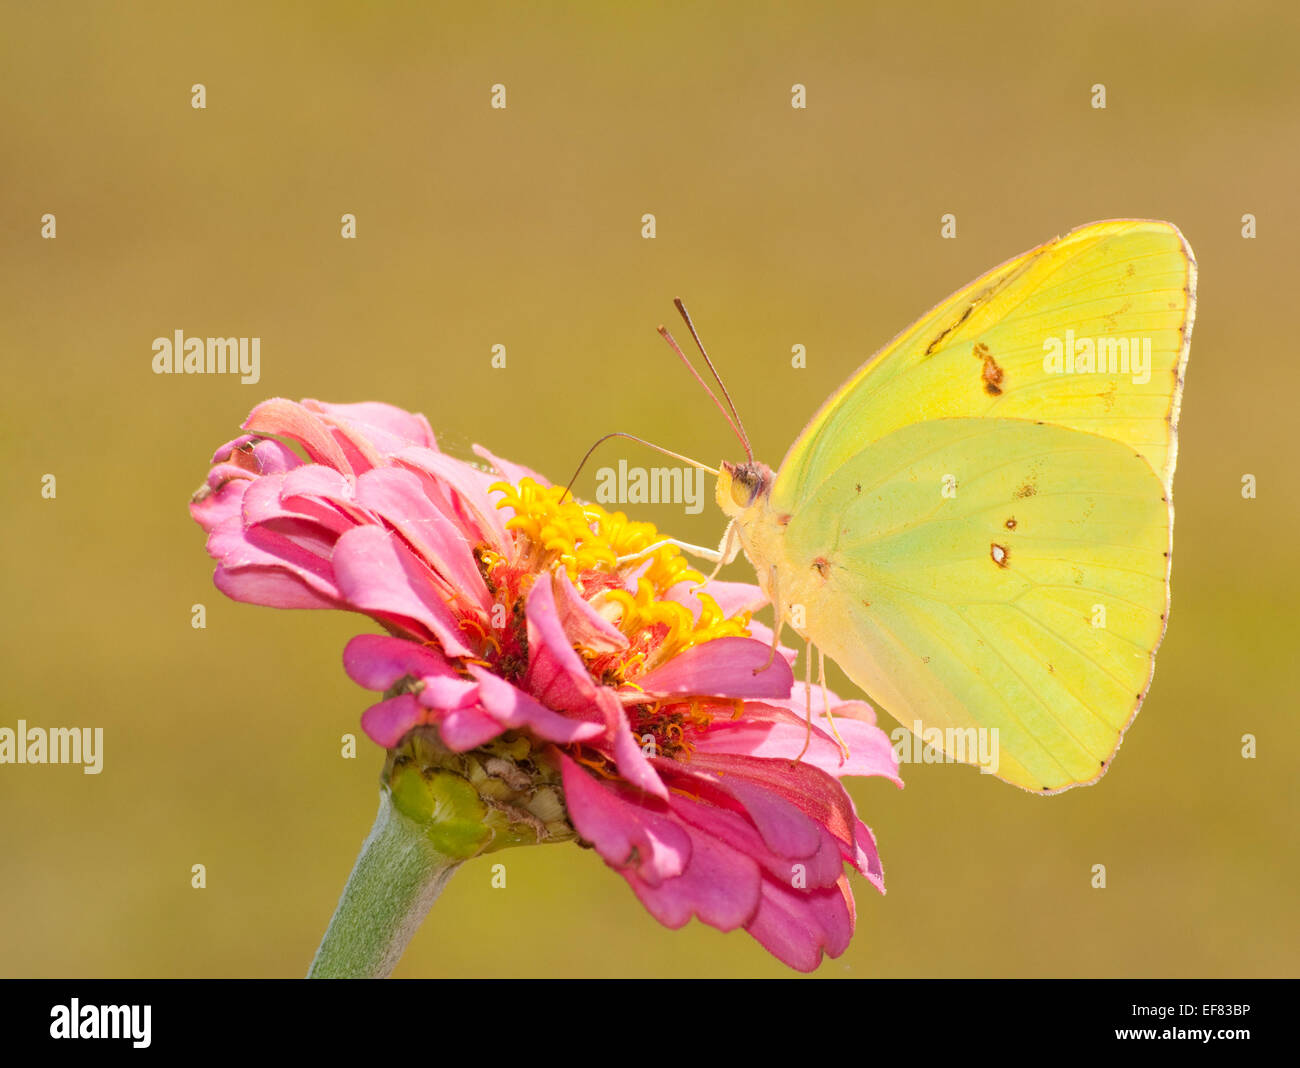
[742,486]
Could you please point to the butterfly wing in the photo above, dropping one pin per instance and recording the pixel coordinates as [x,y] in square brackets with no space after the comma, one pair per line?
[990,573]
[1123,288]
[1087,335]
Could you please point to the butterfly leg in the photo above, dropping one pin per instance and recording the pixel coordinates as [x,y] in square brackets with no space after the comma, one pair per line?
[807,697]
[713,556]
[826,703]
[728,550]
[775,598]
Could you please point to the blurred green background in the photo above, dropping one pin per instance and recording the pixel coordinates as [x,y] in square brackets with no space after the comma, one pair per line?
[522,227]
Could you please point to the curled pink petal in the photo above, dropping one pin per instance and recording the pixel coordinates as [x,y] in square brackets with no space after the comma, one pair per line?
[377,662]
[386,722]
[556,674]
[582,625]
[380,575]
[290,420]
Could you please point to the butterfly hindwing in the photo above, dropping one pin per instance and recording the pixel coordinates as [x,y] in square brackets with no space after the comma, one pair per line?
[991,573]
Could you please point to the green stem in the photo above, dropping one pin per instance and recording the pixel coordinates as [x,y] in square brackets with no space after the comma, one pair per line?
[395,881]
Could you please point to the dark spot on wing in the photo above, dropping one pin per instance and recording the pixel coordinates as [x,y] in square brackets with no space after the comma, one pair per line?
[821,565]
[784,520]
[1051,669]
[1011,523]
[986,294]
[925,660]
[858,487]
[1027,490]
[991,373]
[1000,555]
[929,349]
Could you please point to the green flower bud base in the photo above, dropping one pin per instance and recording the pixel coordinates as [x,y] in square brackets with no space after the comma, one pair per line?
[437,809]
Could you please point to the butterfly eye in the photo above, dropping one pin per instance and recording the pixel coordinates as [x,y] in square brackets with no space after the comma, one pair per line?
[742,490]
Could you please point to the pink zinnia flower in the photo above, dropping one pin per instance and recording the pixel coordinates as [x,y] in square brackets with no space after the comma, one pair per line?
[512,615]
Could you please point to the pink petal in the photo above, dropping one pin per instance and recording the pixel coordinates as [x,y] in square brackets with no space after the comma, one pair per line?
[235,465]
[762,633]
[626,834]
[274,589]
[720,885]
[736,828]
[378,574]
[556,675]
[377,661]
[387,427]
[267,519]
[397,497]
[465,488]
[320,493]
[724,667]
[238,549]
[795,926]
[256,456]
[767,730]
[510,472]
[732,597]
[630,758]
[865,844]
[212,505]
[293,421]
[582,624]
[388,721]
[463,729]
[514,709]
[816,794]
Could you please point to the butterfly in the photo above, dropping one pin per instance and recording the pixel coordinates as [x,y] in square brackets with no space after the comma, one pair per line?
[977,526]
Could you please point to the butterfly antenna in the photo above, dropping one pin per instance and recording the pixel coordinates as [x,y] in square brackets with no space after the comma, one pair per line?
[668,337]
[641,441]
[739,425]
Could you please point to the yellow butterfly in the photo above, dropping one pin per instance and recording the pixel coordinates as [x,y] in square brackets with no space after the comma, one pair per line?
[977,526]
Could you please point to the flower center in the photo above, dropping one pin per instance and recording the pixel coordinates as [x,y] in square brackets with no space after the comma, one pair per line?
[611,562]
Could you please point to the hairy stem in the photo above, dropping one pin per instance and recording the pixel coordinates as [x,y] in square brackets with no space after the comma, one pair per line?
[395,881]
